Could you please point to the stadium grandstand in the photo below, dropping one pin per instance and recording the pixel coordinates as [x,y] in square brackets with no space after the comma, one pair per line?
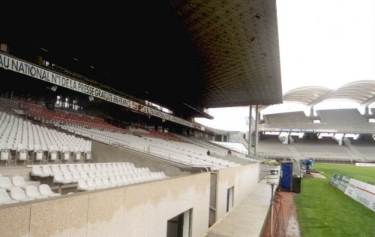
[337,135]
[97,131]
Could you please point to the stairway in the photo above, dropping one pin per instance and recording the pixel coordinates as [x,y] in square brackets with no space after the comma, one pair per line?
[354,153]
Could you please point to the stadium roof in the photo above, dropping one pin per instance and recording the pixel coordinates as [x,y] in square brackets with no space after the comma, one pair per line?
[308,95]
[362,92]
[185,55]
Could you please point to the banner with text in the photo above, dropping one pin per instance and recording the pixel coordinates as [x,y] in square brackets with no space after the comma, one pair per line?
[8,62]
[362,192]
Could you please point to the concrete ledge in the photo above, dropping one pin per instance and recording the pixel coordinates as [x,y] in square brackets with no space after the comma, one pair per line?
[247,218]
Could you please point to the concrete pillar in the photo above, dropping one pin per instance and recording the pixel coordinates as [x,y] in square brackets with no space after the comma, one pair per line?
[311,111]
[367,110]
[249,139]
[256,129]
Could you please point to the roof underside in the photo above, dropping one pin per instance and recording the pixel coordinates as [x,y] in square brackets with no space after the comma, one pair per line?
[186,54]
[238,44]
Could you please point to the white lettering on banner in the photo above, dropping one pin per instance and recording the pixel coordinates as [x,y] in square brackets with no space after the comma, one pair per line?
[362,192]
[11,63]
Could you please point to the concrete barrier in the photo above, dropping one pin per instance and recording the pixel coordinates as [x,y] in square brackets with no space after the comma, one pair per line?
[133,211]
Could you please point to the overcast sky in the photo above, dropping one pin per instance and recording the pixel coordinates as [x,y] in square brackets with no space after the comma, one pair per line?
[322,43]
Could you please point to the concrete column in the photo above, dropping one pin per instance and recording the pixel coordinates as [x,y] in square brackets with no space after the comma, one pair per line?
[249,139]
[256,129]
[311,111]
[367,110]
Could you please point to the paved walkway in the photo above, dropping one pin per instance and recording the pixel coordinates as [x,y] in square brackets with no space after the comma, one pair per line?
[247,218]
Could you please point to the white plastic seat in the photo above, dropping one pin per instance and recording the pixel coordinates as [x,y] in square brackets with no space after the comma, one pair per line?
[114,181]
[98,183]
[32,192]
[82,185]
[83,175]
[4,155]
[4,197]
[22,155]
[90,183]
[78,156]
[47,170]
[18,181]
[66,156]
[45,190]
[68,177]
[39,156]
[72,167]
[64,168]
[75,176]
[88,156]
[106,183]
[5,183]
[79,167]
[18,194]
[125,179]
[37,171]
[59,178]
[53,156]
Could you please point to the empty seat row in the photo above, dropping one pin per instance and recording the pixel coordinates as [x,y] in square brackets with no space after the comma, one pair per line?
[17,134]
[16,189]
[181,152]
[31,192]
[96,175]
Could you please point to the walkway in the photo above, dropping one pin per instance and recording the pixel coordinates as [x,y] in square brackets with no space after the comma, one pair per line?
[247,218]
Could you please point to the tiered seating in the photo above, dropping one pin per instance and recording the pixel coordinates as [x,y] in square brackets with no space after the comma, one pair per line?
[41,113]
[288,120]
[161,135]
[363,147]
[272,147]
[239,147]
[96,175]
[345,120]
[22,136]
[205,144]
[16,189]
[322,149]
[180,152]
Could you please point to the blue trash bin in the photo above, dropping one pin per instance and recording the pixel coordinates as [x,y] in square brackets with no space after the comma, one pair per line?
[286,176]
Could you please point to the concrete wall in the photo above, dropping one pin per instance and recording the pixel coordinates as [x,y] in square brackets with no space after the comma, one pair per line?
[106,153]
[132,211]
[243,178]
